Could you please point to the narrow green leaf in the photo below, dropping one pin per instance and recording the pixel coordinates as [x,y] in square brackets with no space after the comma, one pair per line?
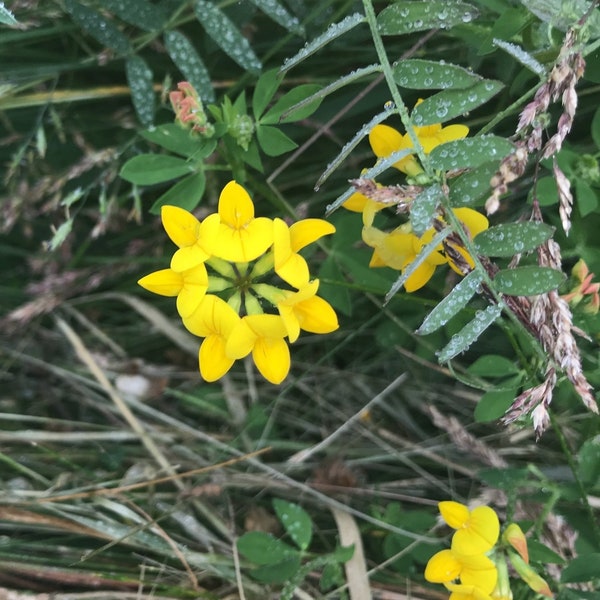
[522,56]
[472,188]
[264,549]
[437,239]
[61,234]
[509,239]
[452,304]
[141,84]
[174,138]
[449,104]
[407,17]
[221,29]
[288,101]
[273,141]
[334,31]
[528,281]
[280,15]
[296,521]
[6,17]
[139,13]
[582,568]
[423,208]
[147,169]
[469,333]
[469,152]
[265,89]
[186,193]
[98,26]
[419,74]
[188,61]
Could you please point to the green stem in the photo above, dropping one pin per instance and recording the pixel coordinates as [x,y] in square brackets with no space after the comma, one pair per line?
[400,107]
[571,461]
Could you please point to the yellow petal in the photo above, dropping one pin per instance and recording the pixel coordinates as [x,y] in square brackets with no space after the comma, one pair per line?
[165,282]
[291,267]
[272,358]
[473,220]
[236,208]
[187,258]
[442,567]
[195,284]
[214,363]
[316,315]
[453,132]
[479,534]
[455,514]
[466,592]
[245,244]
[181,226]
[385,140]
[478,570]
[308,231]
[423,273]
[356,202]
[213,316]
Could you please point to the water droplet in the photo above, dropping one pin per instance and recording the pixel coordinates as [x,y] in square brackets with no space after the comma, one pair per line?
[389,105]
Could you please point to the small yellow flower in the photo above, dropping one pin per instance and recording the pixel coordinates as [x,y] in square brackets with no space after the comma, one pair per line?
[241,237]
[474,222]
[213,320]
[477,530]
[385,140]
[398,249]
[189,286]
[360,203]
[263,336]
[477,570]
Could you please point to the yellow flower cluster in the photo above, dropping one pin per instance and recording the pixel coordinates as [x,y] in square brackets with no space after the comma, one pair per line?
[474,568]
[226,304]
[397,249]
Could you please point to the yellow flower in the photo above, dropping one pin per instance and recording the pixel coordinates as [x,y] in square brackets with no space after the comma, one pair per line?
[477,570]
[385,140]
[241,237]
[400,248]
[474,222]
[189,286]
[360,203]
[263,335]
[305,310]
[477,530]
[213,320]
[466,592]
[288,241]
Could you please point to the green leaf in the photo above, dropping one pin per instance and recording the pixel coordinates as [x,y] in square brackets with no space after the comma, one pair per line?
[61,234]
[186,193]
[510,22]
[6,17]
[139,13]
[280,572]
[509,239]
[265,89]
[174,138]
[419,74]
[98,26]
[276,113]
[141,84]
[273,141]
[528,281]
[545,191]
[469,333]
[147,169]
[582,568]
[280,15]
[423,208]
[523,57]
[220,28]
[562,15]
[493,365]
[540,553]
[449,104]
[188,61]
[264,549]
[595,128]
[588,459]
[407,17]
[334,31]
[452,304]
[343,554]
[505,478]
[493,404]
[471,188]
[295,521]
[587,200]
[469,153]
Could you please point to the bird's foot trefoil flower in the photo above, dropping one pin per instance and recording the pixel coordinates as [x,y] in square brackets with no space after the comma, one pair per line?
[218,276]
